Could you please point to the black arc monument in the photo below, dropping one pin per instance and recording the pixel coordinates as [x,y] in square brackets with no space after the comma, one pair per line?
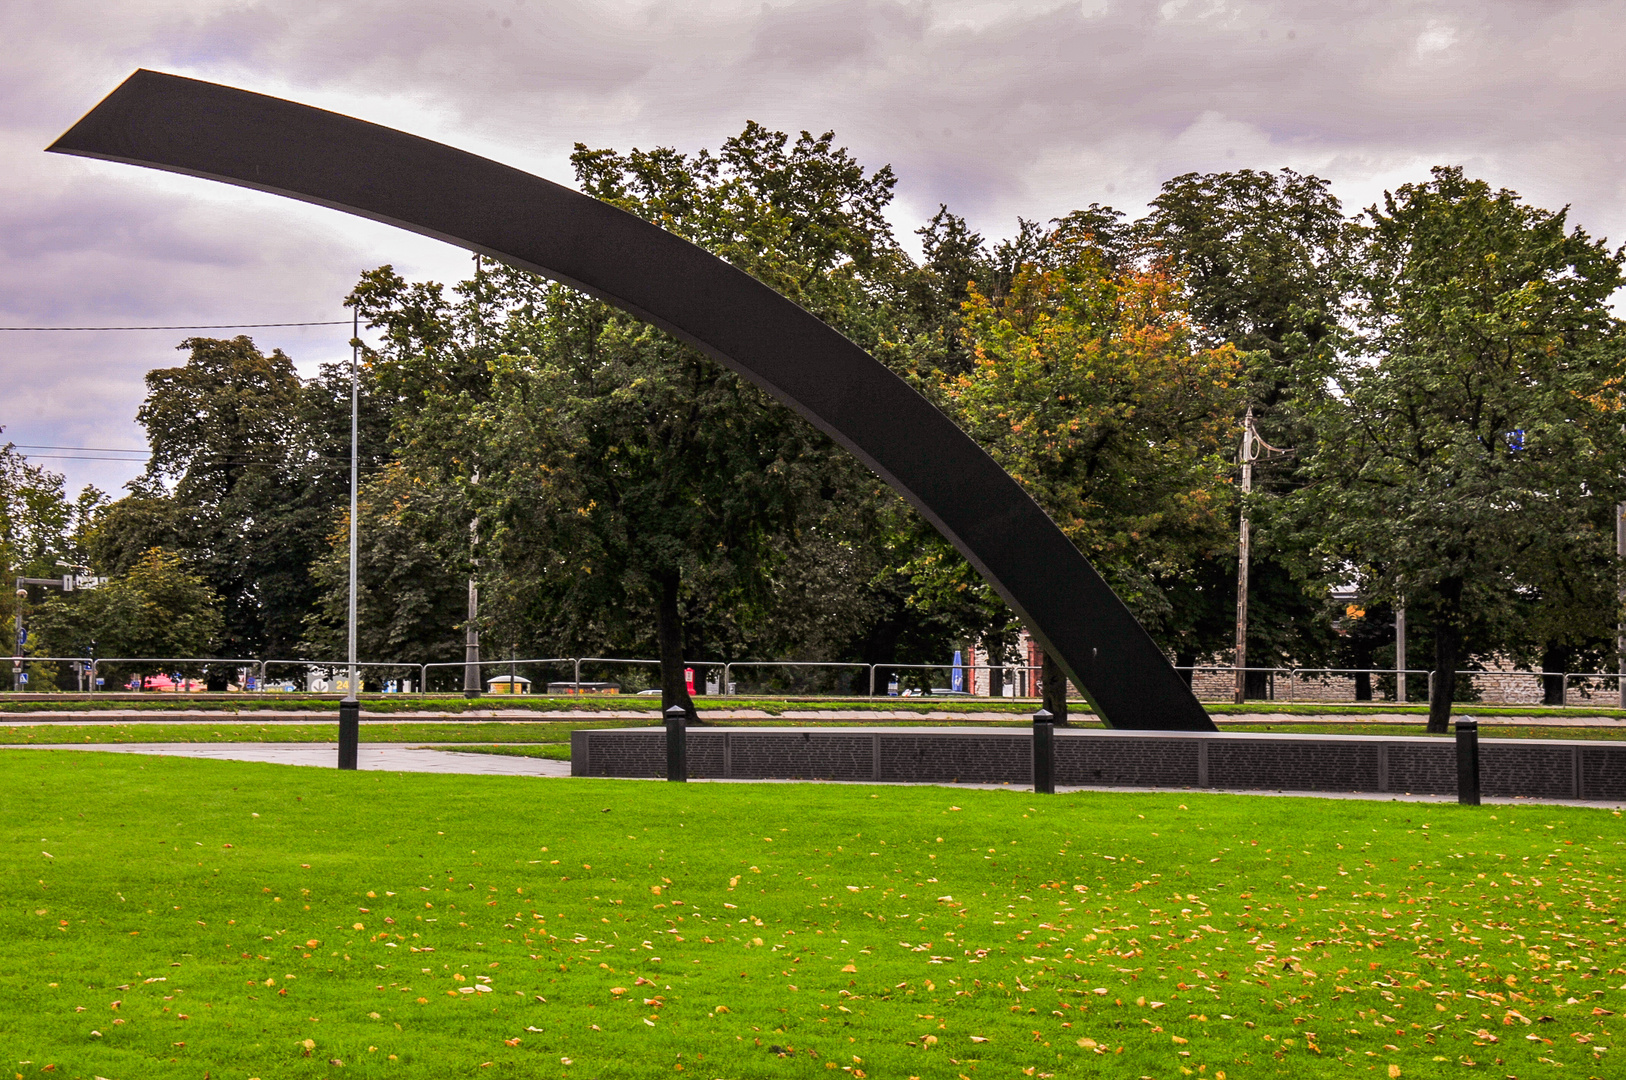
[222,133]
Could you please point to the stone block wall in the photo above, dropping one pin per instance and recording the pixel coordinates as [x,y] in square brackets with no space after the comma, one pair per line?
[1551,769]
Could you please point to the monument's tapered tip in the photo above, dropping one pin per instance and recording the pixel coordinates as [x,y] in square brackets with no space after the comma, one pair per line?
[91,135]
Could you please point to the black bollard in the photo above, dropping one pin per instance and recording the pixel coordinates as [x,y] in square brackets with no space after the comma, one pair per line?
[349,732]
[1044,753]
[677,743]
[1468,762]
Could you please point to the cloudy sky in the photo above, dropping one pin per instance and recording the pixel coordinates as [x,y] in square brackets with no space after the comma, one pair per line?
[996,107]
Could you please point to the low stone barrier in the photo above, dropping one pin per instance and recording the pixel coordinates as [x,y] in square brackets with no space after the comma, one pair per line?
[1531,768]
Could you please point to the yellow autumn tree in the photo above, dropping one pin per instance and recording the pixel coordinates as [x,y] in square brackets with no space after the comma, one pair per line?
[1089,386]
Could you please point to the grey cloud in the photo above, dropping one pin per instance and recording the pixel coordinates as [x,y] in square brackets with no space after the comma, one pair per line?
[998,107]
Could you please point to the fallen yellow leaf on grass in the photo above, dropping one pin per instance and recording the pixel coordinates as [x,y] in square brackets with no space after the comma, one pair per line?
[850,968]
[1394,1071]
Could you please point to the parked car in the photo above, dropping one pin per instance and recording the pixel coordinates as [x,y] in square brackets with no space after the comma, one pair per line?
[165,684]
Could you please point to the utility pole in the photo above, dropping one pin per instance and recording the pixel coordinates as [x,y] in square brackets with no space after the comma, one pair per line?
[1400,653]
[1246,455]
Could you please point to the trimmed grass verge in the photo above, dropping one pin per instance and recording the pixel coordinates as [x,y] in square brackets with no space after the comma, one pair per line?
[181,916]
[294,732]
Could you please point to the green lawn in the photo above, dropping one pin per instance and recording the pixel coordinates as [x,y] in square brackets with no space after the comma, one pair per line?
[173,917]
[297,732]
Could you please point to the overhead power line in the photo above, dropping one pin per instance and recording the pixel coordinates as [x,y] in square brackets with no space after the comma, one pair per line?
[217,459]
[210,326]
[87,449]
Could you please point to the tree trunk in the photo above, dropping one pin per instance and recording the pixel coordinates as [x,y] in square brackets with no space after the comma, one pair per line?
[669,628]
[1363,678]
[1053,689]
[1447,655]
[997,648]
[1555,661]
[1363,686]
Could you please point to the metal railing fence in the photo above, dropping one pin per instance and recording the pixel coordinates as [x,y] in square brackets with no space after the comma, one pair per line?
[82,666]
[698,666]
[331,666]
[235,663]
[1212,683]
[1028,670]
[1386,680]
[730,686]
[508,662]
[1222,687]
[1584,686]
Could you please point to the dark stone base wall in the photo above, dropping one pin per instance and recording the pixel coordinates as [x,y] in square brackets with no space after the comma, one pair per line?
[1550,769]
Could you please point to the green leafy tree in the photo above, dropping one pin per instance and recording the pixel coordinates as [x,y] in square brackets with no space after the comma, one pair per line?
[407,603]
[37,522]
[629,493]
[249,469]
[1469,442]
[119,534]
[632,485]
[1262,259]
[1091,389]
[159,607]
[935,291]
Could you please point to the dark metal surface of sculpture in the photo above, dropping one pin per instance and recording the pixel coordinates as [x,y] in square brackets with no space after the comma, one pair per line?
[221,133]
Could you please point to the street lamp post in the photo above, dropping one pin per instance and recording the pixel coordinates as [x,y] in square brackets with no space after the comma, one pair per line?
[1620,626]
[350,707]
[472,682]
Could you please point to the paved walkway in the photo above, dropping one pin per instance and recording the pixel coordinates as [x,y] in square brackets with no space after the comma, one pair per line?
[387,757]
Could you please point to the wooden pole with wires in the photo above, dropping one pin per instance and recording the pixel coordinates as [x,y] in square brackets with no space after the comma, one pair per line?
[1246,455]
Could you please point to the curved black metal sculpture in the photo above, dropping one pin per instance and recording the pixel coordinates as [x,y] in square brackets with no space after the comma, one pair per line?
[221,133]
